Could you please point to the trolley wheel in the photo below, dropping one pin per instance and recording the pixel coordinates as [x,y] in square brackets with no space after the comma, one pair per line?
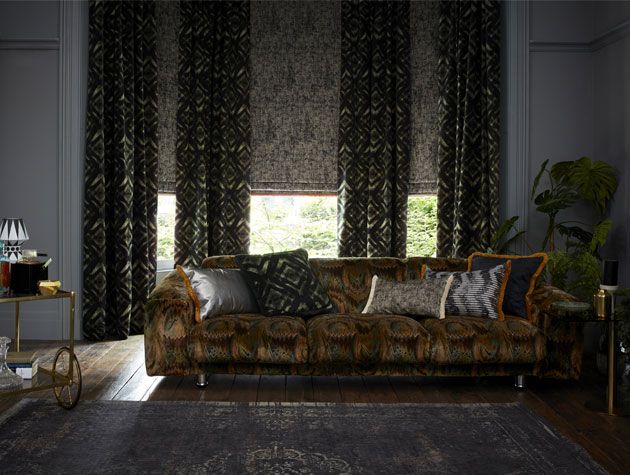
[69,394]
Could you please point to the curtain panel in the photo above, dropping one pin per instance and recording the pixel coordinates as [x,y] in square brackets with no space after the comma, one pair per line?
[213,151]
[468,151]
[120,201]
[374,129]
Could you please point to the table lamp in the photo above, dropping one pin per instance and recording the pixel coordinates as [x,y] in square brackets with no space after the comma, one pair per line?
[13,233]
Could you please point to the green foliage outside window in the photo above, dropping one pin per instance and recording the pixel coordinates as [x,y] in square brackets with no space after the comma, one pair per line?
[421,225]
[166,227]
[281,222]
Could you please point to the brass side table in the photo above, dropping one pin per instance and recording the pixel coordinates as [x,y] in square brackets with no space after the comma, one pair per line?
[569,313]
[65,371]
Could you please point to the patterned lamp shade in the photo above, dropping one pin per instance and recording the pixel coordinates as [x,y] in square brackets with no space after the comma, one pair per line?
[13,233]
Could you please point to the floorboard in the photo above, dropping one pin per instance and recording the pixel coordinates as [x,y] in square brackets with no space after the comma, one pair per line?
[272,389]
[245,388]
[115,370]
[299,389]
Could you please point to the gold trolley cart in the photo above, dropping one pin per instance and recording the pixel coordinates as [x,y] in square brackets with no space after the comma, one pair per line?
[65,372]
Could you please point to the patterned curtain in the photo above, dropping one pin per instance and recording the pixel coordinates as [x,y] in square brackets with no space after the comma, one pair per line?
[213,131]
[120,202]
[374,128]
[468,152]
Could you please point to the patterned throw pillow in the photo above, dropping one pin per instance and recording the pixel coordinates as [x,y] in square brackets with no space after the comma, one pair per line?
[523,277]
[475,294]
[422,298]
[284,284]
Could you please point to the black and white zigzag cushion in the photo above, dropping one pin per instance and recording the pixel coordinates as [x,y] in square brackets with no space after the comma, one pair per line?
[284,284]
[476,294]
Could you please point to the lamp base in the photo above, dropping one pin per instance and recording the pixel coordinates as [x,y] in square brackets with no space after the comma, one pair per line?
[13,250]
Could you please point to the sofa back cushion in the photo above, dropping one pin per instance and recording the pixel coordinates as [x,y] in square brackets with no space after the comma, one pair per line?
[348,279]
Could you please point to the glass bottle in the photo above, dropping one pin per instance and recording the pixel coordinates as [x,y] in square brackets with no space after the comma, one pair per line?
[8,379]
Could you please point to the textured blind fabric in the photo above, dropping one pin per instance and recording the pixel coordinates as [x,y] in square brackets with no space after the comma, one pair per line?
[167,24]
[424,24]
[294,99]
[295,58]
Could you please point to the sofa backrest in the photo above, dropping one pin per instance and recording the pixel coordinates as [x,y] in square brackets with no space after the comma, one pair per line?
[348,279]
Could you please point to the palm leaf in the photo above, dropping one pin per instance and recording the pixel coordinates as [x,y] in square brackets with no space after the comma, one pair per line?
[505,228]
[543,167]
[552,201]
[582,235]
[594,181]
[600,234]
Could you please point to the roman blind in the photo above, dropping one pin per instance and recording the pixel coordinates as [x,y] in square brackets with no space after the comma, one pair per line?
[294,97]
[296,54]
[167,23]
[424,25]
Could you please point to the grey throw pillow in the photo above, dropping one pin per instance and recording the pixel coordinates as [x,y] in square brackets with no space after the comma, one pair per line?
[475,294]
[423,298]
[221,291]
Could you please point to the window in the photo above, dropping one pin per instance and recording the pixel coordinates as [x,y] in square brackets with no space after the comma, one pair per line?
[166,230]
[284,222]
[422,225]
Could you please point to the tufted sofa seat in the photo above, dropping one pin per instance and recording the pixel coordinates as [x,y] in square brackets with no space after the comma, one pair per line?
[348,342]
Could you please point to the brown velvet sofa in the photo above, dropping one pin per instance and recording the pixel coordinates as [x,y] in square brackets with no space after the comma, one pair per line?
[351,343]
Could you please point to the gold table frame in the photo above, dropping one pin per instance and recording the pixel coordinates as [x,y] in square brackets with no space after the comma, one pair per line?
[60,380]
[609,406]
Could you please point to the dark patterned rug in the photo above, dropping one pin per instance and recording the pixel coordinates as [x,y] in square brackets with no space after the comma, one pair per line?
[36,436]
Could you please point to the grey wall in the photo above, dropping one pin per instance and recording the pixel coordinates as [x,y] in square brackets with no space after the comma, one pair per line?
[579,99]
[611,64]
[579,104]
[41,98]
[562,92]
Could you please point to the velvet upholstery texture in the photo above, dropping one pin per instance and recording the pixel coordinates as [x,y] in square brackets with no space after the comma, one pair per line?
[351,343]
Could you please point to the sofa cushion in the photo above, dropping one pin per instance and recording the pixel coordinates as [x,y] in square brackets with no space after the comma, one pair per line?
[284,283]
[522,281]
[425,298]
[250,338]
[366,339]
[476,294]
[473,340]
[218,292]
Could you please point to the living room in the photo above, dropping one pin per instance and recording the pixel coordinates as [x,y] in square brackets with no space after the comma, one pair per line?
[384,172]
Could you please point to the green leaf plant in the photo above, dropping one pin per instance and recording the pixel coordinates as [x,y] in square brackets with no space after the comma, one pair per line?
[573,246]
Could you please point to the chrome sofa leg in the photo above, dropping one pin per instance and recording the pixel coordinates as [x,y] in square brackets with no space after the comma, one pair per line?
[202,381]
[520,382]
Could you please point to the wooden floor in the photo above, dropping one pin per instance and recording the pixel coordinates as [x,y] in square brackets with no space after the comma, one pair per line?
[115,370]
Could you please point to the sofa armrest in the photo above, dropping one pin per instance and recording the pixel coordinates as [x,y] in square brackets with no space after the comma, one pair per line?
[169,322]
[541,301]
[565,339]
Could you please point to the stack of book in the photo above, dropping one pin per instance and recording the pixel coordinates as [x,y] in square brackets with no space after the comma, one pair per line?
[23,363]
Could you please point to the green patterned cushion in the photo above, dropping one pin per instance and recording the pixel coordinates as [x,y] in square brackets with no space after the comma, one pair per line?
[284,284]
